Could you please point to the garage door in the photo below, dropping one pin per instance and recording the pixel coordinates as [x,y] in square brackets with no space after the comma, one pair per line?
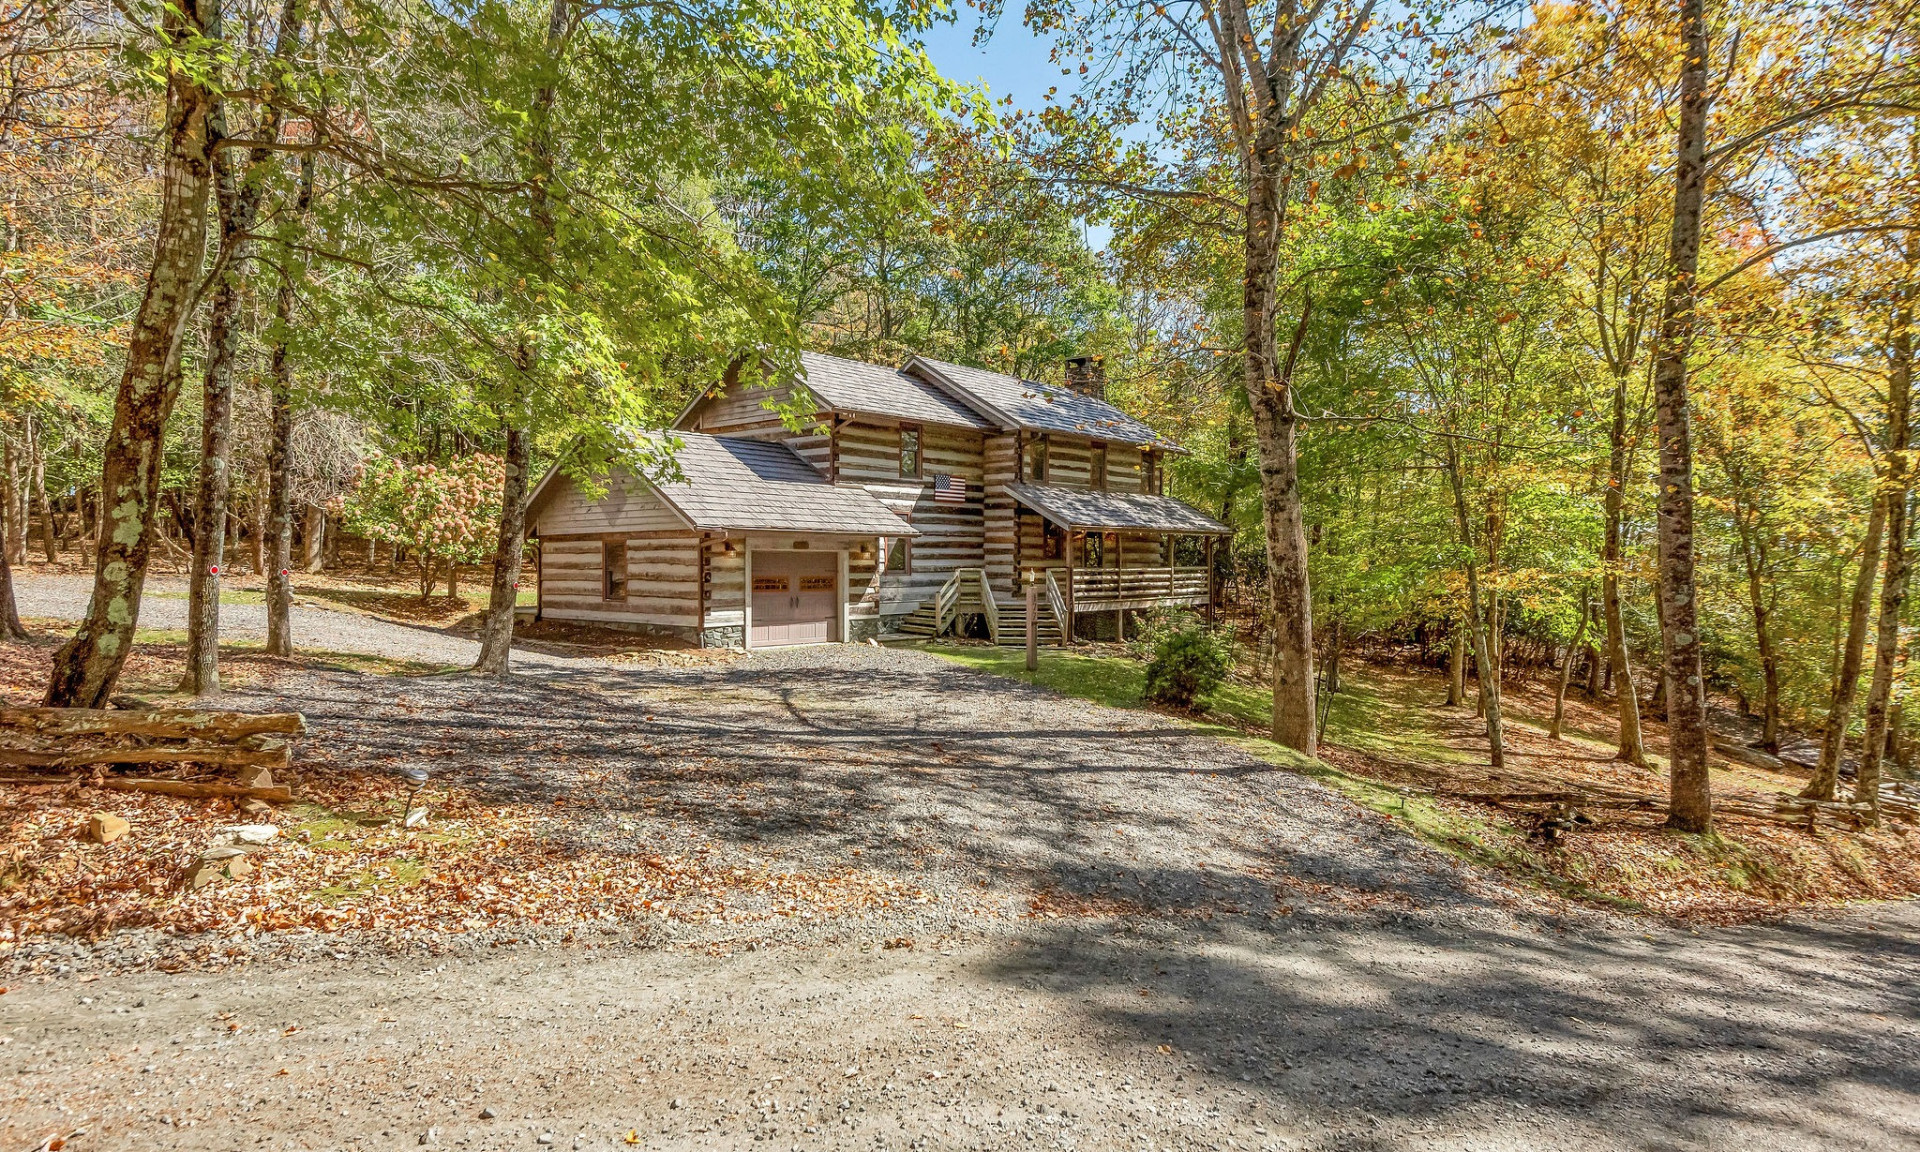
[795,598]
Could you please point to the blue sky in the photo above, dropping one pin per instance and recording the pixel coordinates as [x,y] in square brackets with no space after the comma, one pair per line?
[1013,63]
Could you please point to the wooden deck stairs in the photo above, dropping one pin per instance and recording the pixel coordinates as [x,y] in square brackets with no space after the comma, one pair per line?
[966,594]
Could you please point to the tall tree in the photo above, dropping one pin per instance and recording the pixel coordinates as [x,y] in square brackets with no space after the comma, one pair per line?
[1690,802]
[187,40]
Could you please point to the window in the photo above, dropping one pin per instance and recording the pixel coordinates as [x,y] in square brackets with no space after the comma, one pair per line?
[899,554]
[1035,469]
[1054,544]
[1097,471]
[909,452]
[1095,555]
[613,570]
[1150,464]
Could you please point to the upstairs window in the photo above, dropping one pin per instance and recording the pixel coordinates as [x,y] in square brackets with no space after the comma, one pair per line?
[909,453]
[1097,469]
[1150,479]
[1035,464]
[613,570]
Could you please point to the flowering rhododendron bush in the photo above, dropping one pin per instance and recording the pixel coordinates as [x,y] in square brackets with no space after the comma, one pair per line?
[444,515]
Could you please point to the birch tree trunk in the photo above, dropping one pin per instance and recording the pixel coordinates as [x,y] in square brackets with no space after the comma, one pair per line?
[86,666]
[1690,798]
[1893,589]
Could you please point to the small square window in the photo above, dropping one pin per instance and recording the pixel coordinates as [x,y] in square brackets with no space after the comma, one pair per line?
[899,554]
[910,453]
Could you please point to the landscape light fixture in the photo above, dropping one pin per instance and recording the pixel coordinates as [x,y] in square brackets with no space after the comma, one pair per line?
[419,778]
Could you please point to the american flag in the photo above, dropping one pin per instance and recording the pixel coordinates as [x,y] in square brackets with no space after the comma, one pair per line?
[950,489]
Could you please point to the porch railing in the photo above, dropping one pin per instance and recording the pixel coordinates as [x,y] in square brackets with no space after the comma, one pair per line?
[1094,587]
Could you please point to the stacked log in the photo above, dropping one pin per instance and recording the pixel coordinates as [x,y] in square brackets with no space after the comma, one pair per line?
[68,738]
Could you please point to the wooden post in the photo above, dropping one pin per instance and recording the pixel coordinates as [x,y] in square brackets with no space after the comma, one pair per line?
[1067,624]
[1213,611]
[1033,623]
[1120,625]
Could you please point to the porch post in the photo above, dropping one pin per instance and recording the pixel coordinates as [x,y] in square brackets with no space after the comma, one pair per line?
[1213,611]
[1074,540]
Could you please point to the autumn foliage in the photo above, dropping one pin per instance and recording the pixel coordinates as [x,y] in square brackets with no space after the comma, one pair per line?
[443,516]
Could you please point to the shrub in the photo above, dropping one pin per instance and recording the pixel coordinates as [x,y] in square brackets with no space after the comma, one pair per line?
[1187,665]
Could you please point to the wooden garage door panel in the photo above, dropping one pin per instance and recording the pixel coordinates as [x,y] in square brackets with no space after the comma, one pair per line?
[795,597]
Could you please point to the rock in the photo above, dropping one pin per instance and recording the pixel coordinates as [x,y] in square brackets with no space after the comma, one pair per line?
[248,834]
[416,818]
[487,1113]
[546,1138]
[105,827]
[254,807]
[255,776]
[220,863]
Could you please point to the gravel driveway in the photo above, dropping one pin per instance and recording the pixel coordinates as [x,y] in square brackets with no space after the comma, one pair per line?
[1137,937]
[164,605]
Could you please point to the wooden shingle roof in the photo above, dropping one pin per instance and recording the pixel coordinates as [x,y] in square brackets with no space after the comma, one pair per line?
[762,485]
[1080,511]
[874,389]
[1031,405]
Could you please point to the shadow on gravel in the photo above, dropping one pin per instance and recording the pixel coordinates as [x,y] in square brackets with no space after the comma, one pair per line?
[940,770]
[1721,1042]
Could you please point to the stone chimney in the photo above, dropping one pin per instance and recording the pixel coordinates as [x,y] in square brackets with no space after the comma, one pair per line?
[1087,375]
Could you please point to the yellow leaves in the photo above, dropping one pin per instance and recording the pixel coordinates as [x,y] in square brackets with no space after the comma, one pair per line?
[633,1136]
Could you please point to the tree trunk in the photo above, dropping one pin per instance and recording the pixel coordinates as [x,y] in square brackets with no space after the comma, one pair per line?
[37,476]
[1489,683]
[1893,589]
[1632,748]
[235,195]
[1270,394]
[496,632]
[262,483]
[1833,738]
[14,497]
[313,539]
[1457,668]
[86,667]
[10,626]
[1690,799]
[1593,671]
[280,434]
[1566,670]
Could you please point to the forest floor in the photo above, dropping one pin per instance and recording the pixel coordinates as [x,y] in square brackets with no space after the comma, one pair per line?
[1393,745]
[862,897]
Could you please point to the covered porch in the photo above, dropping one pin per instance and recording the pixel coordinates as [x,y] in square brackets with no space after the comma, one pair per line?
[1096,556]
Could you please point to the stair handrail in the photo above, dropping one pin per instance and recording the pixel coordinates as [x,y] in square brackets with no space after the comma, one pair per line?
[988,606]
[943,604]
[1057,604]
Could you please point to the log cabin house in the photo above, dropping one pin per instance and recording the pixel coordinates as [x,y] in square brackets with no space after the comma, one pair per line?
[917,501]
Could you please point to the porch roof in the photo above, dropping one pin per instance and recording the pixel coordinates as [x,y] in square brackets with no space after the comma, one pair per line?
[1082,511]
